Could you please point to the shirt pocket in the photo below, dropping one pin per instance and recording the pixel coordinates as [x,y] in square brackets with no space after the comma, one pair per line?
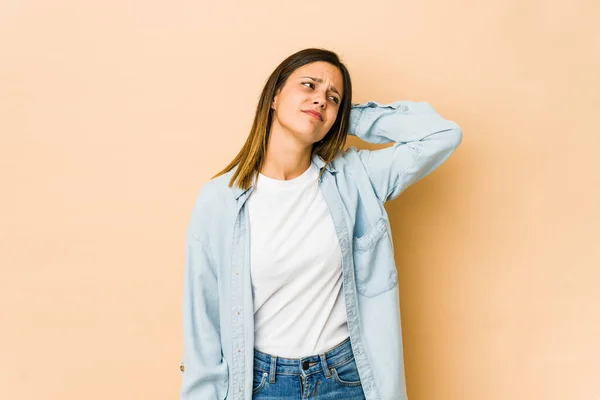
[374,264]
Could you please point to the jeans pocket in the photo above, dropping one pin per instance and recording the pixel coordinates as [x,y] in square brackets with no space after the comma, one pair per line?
[260,381]
[346,373]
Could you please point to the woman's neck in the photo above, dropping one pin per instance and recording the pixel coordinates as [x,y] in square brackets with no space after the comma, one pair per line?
[285,159]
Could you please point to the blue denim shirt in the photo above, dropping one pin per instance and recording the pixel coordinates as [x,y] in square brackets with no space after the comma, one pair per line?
[218,331]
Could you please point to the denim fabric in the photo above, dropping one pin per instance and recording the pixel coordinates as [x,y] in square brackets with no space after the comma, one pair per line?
[218,327]
[332,375]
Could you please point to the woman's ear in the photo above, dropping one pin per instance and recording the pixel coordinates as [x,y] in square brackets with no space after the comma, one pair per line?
[274,101]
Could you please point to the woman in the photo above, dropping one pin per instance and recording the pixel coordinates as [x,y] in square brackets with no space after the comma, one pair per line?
[290,287]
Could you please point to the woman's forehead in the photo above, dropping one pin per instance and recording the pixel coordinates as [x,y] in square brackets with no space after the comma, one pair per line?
[322,69]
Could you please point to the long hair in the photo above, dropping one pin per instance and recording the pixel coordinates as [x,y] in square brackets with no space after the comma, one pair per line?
[249,160]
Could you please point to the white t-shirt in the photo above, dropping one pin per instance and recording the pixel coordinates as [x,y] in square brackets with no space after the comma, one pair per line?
[299,307]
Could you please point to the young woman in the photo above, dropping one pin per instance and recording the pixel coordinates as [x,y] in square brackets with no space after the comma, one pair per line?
[290,287]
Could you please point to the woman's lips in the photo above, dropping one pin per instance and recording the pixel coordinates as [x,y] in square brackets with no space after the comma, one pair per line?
[314,114]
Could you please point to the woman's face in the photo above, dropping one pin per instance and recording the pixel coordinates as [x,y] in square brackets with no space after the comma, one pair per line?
[313,89]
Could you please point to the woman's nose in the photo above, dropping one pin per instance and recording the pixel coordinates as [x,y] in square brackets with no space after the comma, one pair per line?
[319,99]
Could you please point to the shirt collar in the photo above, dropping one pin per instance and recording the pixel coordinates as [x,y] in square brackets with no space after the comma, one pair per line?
[317,160]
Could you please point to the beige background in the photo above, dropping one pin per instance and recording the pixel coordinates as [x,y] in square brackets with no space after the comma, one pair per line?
[114,113]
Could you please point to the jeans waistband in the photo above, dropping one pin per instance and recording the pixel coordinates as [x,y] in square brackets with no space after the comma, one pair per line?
[296,366]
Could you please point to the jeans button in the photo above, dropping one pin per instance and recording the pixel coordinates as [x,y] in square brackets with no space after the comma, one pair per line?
[305,365]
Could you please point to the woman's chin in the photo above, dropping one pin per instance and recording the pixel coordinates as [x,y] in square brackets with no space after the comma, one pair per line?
[308,136]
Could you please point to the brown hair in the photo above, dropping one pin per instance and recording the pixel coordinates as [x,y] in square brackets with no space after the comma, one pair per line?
[251,157]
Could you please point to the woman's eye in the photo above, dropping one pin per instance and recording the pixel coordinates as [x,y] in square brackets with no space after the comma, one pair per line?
[312,86]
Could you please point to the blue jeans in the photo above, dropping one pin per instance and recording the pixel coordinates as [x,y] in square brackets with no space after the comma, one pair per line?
[329,376]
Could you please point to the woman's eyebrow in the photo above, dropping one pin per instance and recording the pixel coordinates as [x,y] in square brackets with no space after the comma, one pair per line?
[319,80]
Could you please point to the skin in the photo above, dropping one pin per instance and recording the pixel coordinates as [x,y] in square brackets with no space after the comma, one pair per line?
[293,131]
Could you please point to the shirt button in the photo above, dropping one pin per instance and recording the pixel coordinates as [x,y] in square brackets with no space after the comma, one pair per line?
[181,368]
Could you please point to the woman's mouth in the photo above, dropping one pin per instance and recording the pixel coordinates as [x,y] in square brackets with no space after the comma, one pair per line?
[314,114]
